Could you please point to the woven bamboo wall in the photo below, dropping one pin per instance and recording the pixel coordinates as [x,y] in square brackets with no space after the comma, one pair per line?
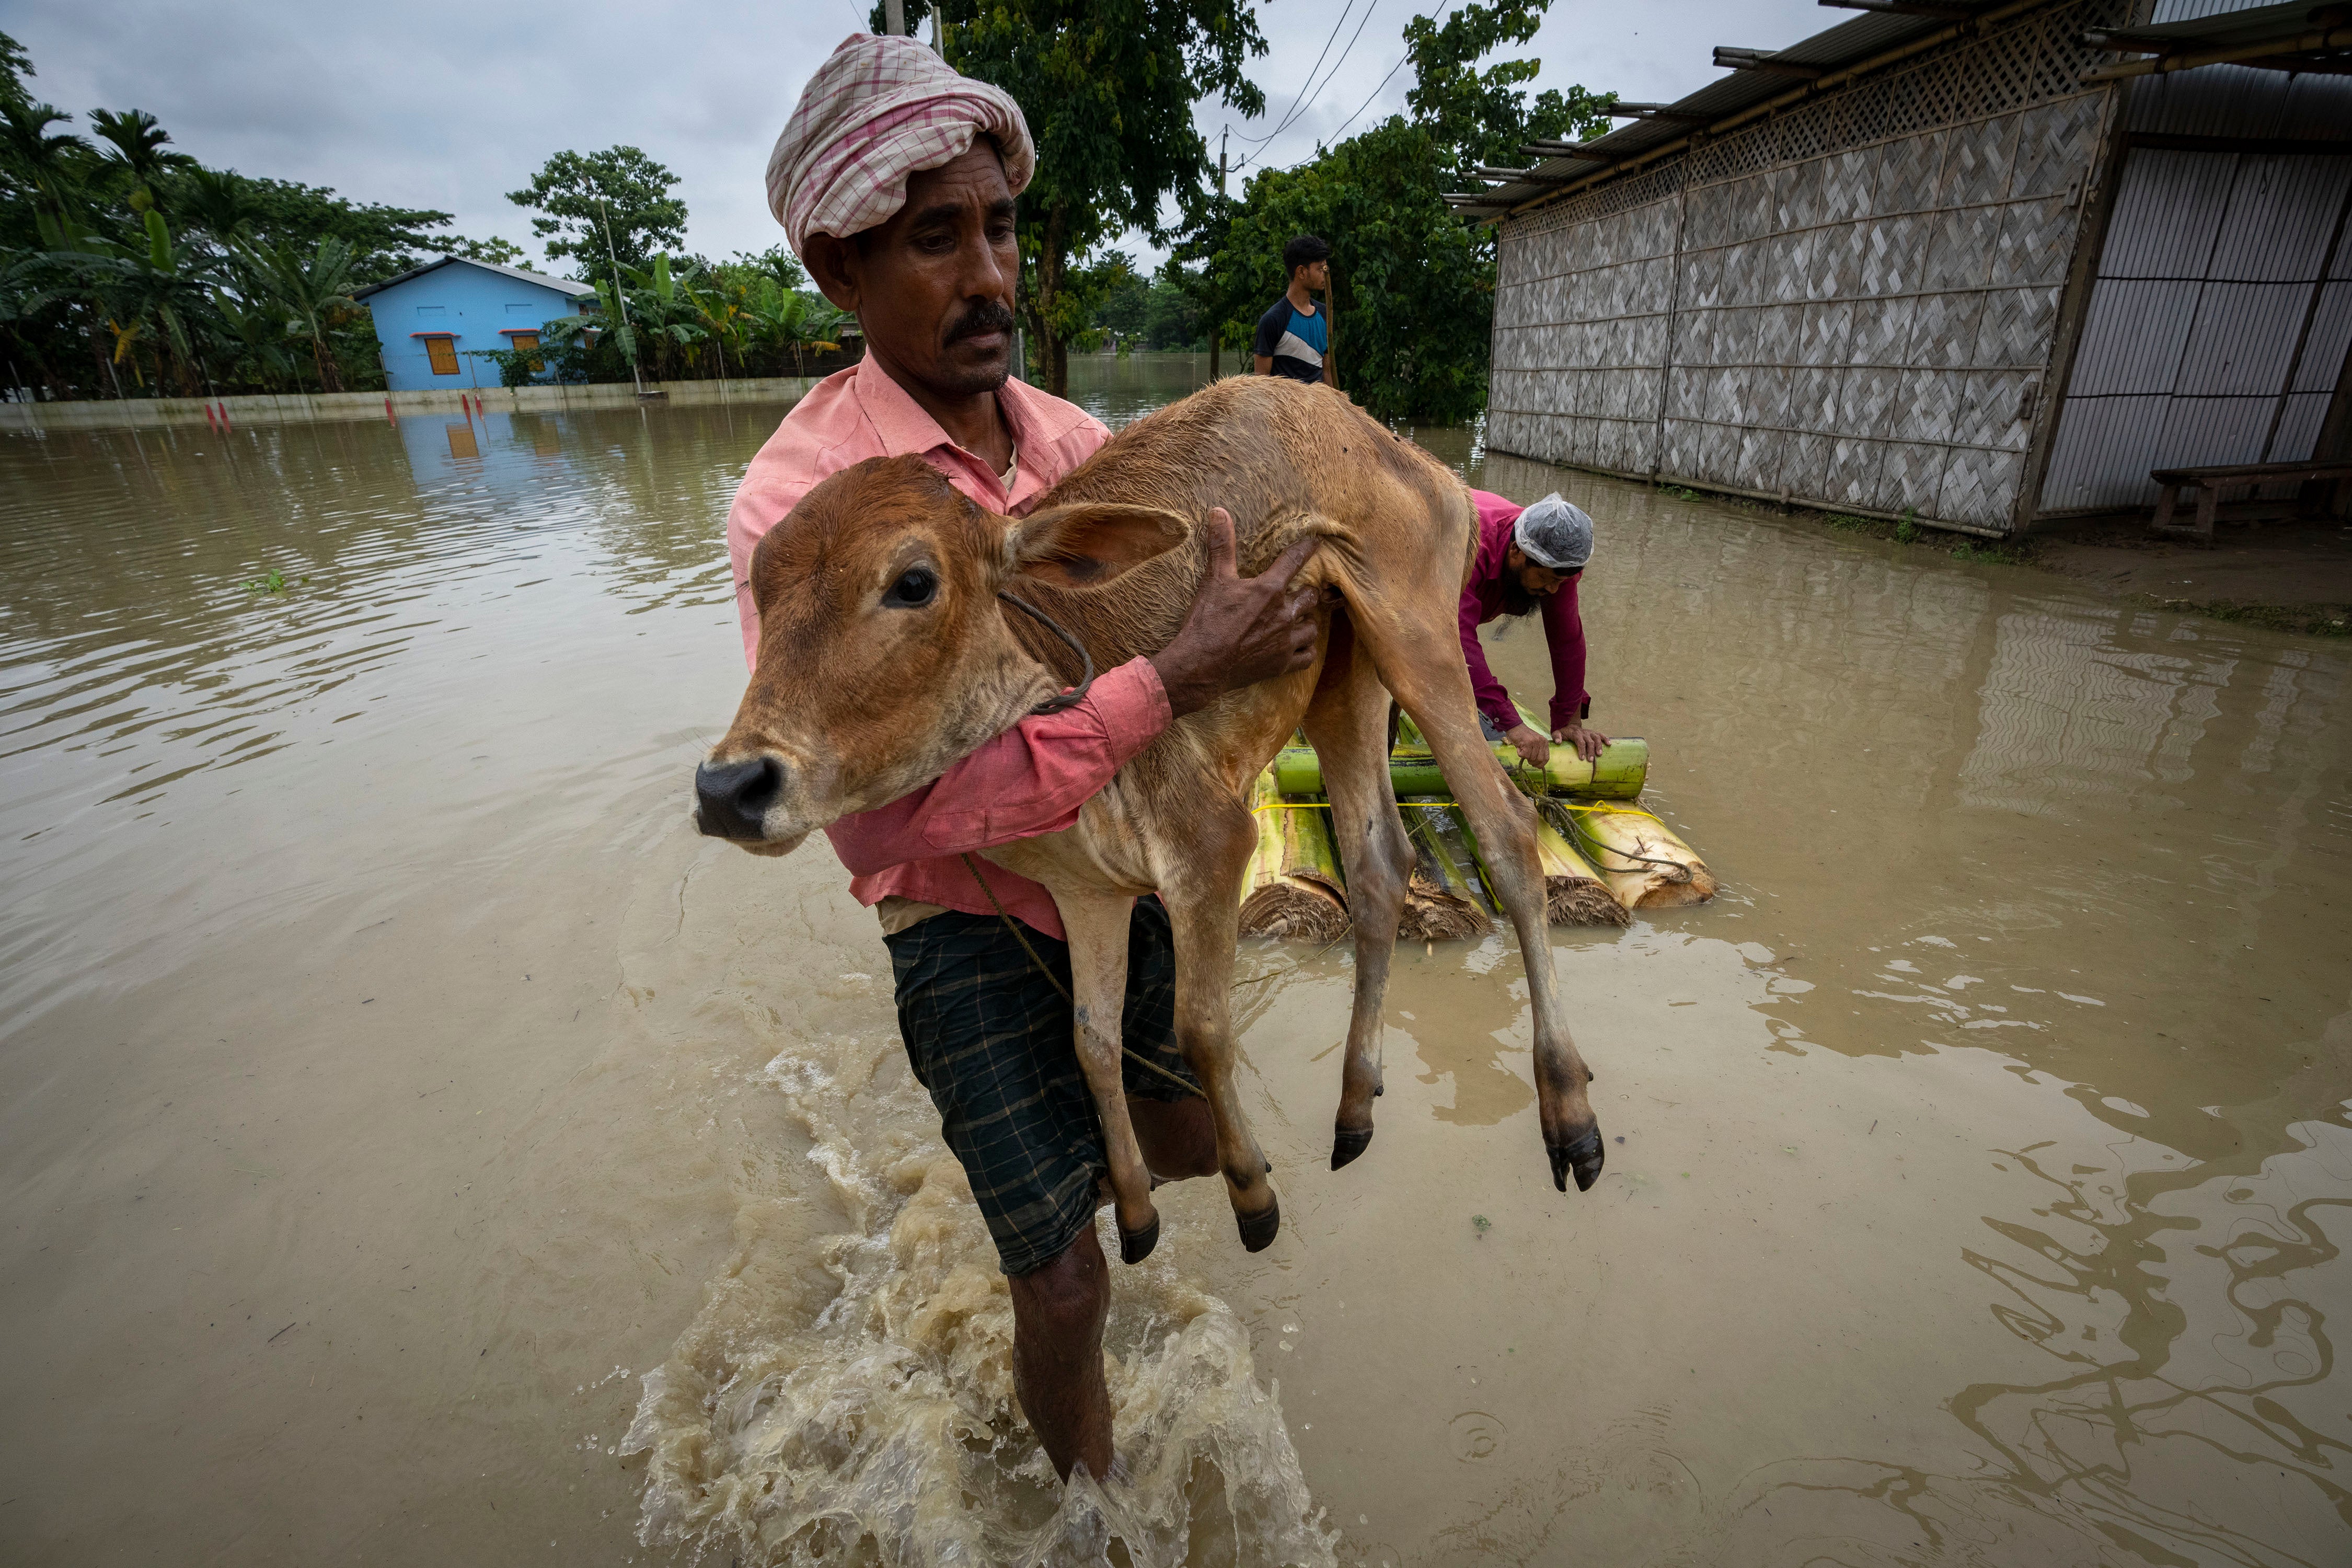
[1853,303]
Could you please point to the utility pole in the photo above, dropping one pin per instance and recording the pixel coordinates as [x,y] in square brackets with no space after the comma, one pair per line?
[1215,347]
[620,289]
[894,17]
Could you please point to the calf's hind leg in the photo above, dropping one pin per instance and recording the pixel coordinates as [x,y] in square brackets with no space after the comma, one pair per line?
[1420,660]
[1200,881]
[1348,726]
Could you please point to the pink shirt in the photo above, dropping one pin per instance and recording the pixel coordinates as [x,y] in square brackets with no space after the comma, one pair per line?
[1031,779]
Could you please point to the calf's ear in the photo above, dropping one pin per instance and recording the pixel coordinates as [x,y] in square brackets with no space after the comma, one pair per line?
[1087,543]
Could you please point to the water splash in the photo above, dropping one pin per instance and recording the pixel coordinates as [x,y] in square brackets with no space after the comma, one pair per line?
[848,1397]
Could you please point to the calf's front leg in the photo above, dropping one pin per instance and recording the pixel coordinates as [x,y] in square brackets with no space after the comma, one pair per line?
[1201,881]
[1096,924]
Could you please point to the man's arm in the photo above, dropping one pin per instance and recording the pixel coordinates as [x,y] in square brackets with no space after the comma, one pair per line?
[1494,700]
[1563,621]
[1263,363]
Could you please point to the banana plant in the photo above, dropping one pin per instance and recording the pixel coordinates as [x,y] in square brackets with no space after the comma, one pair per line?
[313,292]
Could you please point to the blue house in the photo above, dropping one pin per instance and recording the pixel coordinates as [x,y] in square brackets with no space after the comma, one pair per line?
[429,318]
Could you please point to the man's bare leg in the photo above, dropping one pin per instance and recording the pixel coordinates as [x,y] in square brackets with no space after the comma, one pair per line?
[1058,1310]
[1058,1358]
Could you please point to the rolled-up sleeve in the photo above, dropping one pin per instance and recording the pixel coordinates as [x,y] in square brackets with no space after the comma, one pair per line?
[1031,779]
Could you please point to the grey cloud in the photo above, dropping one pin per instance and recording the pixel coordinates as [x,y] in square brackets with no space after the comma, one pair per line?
[446,104]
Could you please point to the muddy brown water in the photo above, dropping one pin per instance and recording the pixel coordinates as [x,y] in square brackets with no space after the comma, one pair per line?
[418,1146]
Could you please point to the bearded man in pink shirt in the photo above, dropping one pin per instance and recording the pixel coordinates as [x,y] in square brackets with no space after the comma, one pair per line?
[896,181]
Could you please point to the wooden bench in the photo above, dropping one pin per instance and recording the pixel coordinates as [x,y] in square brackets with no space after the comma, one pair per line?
[2209,484]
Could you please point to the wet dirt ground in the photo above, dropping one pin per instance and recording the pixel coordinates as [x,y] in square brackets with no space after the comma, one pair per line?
[391,1080]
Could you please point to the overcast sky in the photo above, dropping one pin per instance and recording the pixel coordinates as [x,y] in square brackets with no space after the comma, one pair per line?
[433,103]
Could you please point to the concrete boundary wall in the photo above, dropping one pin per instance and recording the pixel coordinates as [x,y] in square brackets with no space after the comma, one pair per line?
[302,408]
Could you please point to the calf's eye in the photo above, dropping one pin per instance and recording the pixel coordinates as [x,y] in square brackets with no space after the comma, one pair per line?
[916,587]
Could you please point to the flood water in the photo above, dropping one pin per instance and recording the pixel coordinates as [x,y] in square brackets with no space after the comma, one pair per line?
[417,1145]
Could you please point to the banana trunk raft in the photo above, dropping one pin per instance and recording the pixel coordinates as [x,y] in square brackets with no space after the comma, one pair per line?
[1602,855]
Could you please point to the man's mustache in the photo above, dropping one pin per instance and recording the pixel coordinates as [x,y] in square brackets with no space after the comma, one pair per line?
[989,316]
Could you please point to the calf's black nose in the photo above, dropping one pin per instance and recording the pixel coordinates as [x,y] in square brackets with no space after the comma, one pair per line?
[731,799]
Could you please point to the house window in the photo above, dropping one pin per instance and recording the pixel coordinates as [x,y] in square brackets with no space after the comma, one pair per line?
[431,312]
[443,353]
[523,343]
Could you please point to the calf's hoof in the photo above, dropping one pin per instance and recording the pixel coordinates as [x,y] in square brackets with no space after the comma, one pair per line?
[1347,1143]
[1135,1246]
[1583,1156]
[1257,1229]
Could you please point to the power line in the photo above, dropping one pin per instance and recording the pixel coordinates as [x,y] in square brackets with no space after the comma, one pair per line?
[1333,73]
[1382,88]
[1300,102]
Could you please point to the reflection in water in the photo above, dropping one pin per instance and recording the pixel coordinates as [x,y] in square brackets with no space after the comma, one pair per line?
[386,1071]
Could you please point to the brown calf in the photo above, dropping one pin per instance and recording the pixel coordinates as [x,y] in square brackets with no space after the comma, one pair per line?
[886,656]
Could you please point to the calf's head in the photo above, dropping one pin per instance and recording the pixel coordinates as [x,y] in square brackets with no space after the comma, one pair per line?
[885,655]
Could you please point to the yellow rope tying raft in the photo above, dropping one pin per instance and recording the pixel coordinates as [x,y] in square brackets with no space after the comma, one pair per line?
[1611,808]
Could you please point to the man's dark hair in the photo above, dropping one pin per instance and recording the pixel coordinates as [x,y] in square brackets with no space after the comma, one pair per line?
[1303,251]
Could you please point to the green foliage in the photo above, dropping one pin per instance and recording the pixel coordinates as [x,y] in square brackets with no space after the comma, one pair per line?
[598,205]
[1108,87]
[14,66]
[1482,117]
[494,250]
[1906,531]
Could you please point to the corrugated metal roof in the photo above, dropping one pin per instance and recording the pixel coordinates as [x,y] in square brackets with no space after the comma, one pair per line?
[560,285]
[1849,43]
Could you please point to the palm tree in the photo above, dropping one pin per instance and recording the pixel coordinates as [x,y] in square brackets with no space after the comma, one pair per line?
[137,143]
[220,202]
[312,293]
[49,165]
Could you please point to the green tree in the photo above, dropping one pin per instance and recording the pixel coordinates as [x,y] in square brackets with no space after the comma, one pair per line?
[1126,300]
[136,143]
[384,241]
[1482,117]
[1108,88]
[616,202]
[47,166]
[1174,317]
[15,65]
[494,250]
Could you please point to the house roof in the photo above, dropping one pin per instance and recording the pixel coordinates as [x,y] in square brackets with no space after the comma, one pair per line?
[560,285]
[1758,76]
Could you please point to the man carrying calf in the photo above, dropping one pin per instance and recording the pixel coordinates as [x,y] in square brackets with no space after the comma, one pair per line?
[894,180]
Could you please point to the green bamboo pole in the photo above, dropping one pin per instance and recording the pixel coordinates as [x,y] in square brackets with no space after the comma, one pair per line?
[1618,773]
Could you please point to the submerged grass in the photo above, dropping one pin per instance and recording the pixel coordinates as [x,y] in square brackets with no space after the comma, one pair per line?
[2311,620]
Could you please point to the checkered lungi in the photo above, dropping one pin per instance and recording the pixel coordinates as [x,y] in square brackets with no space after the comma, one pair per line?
[990,1038]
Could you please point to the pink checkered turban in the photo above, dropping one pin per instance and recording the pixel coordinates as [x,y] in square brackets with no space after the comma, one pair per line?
[879,110]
